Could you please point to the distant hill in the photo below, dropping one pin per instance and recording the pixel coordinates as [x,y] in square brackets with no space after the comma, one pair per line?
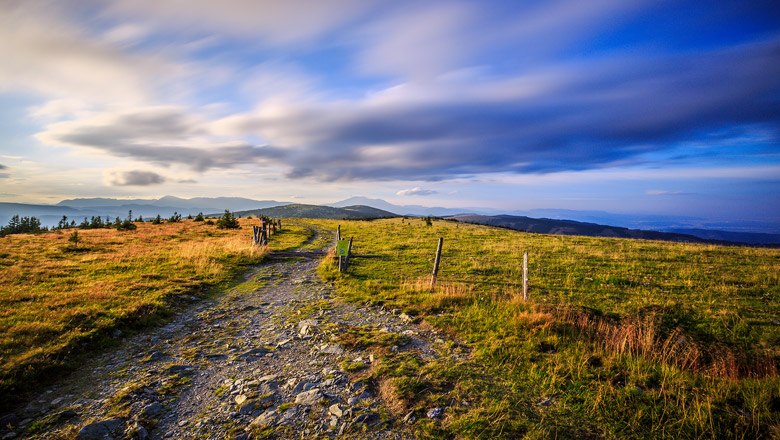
[416,210]
[205,204]
[570,227]
[317,211]
[740,237]
[77,209]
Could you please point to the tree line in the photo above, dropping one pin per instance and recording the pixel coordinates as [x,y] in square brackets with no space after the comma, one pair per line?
[32,225]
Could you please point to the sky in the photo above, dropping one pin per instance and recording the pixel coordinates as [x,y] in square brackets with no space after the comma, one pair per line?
[654,107]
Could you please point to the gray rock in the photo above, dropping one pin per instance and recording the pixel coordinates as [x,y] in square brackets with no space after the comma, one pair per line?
[9,420]
[353,401]
[268,378]
[152,410]
[138,432]
[435,413]
[104,430]
[332,349]
[310,397]
[9,435]
[180,369]
[253,354]
[247,409]
[264,420]
[288,416]
[370,418]
[303,386]
[67,415]
[336,410]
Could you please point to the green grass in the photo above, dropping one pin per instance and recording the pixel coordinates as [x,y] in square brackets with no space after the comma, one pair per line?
[620,338]
[53,300]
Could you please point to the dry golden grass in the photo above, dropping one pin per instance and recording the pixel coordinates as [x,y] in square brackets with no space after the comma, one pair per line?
[643,337]
[54,296]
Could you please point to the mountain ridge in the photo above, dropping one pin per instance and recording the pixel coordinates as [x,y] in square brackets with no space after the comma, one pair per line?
[299,210]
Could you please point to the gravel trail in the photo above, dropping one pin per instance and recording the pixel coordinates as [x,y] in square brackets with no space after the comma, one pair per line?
[259,361]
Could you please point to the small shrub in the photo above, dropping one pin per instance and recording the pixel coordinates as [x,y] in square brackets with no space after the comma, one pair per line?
[228,221]
[74,238]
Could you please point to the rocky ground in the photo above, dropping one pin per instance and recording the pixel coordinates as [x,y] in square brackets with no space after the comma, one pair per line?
[262,360]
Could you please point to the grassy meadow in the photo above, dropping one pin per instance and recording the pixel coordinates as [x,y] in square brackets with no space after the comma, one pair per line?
[57,297]
[619,339]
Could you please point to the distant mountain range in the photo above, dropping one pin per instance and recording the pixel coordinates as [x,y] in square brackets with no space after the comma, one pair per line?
[677,228]
[411,210]
[77,209]
[570,227]
[318,211]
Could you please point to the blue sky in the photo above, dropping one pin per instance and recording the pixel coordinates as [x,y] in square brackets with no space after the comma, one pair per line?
[664,107]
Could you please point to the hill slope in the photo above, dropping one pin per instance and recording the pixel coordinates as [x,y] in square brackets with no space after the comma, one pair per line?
[570,227]
[317,211]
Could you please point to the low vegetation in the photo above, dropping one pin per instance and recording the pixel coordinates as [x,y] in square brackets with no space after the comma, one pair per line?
[61,291]
[620,338]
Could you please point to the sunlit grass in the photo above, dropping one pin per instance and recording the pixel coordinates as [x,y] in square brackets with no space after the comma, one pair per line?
[620,338]
[55,296]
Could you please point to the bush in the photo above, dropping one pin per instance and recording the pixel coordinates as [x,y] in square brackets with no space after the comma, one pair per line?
[199,217]
[74,238]
[157,220]
[228,221]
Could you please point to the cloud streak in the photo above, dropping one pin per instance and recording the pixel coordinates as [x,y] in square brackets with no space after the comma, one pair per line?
[162,135]
[416,191]
[573,116]
[133,178]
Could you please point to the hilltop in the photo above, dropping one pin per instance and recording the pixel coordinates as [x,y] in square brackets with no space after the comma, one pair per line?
[570,227]
[316,211]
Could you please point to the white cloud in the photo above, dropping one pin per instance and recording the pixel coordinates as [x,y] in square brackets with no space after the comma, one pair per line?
[46,54]
[274,22]
[58,109]
[430,41]
[416,191]
[132,178]
[665,192]
[162,135]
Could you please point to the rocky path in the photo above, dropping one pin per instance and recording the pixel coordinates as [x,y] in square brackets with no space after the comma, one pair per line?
[261,361]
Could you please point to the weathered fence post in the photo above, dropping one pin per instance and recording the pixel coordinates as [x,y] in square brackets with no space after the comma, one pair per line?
[255,235]
[436,263]
[338,232]
[525,276]
[349,252]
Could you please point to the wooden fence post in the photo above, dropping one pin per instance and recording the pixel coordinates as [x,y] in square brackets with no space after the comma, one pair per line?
[525,276]
[436,263]
[349,252]
[255,235]
[338,233]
